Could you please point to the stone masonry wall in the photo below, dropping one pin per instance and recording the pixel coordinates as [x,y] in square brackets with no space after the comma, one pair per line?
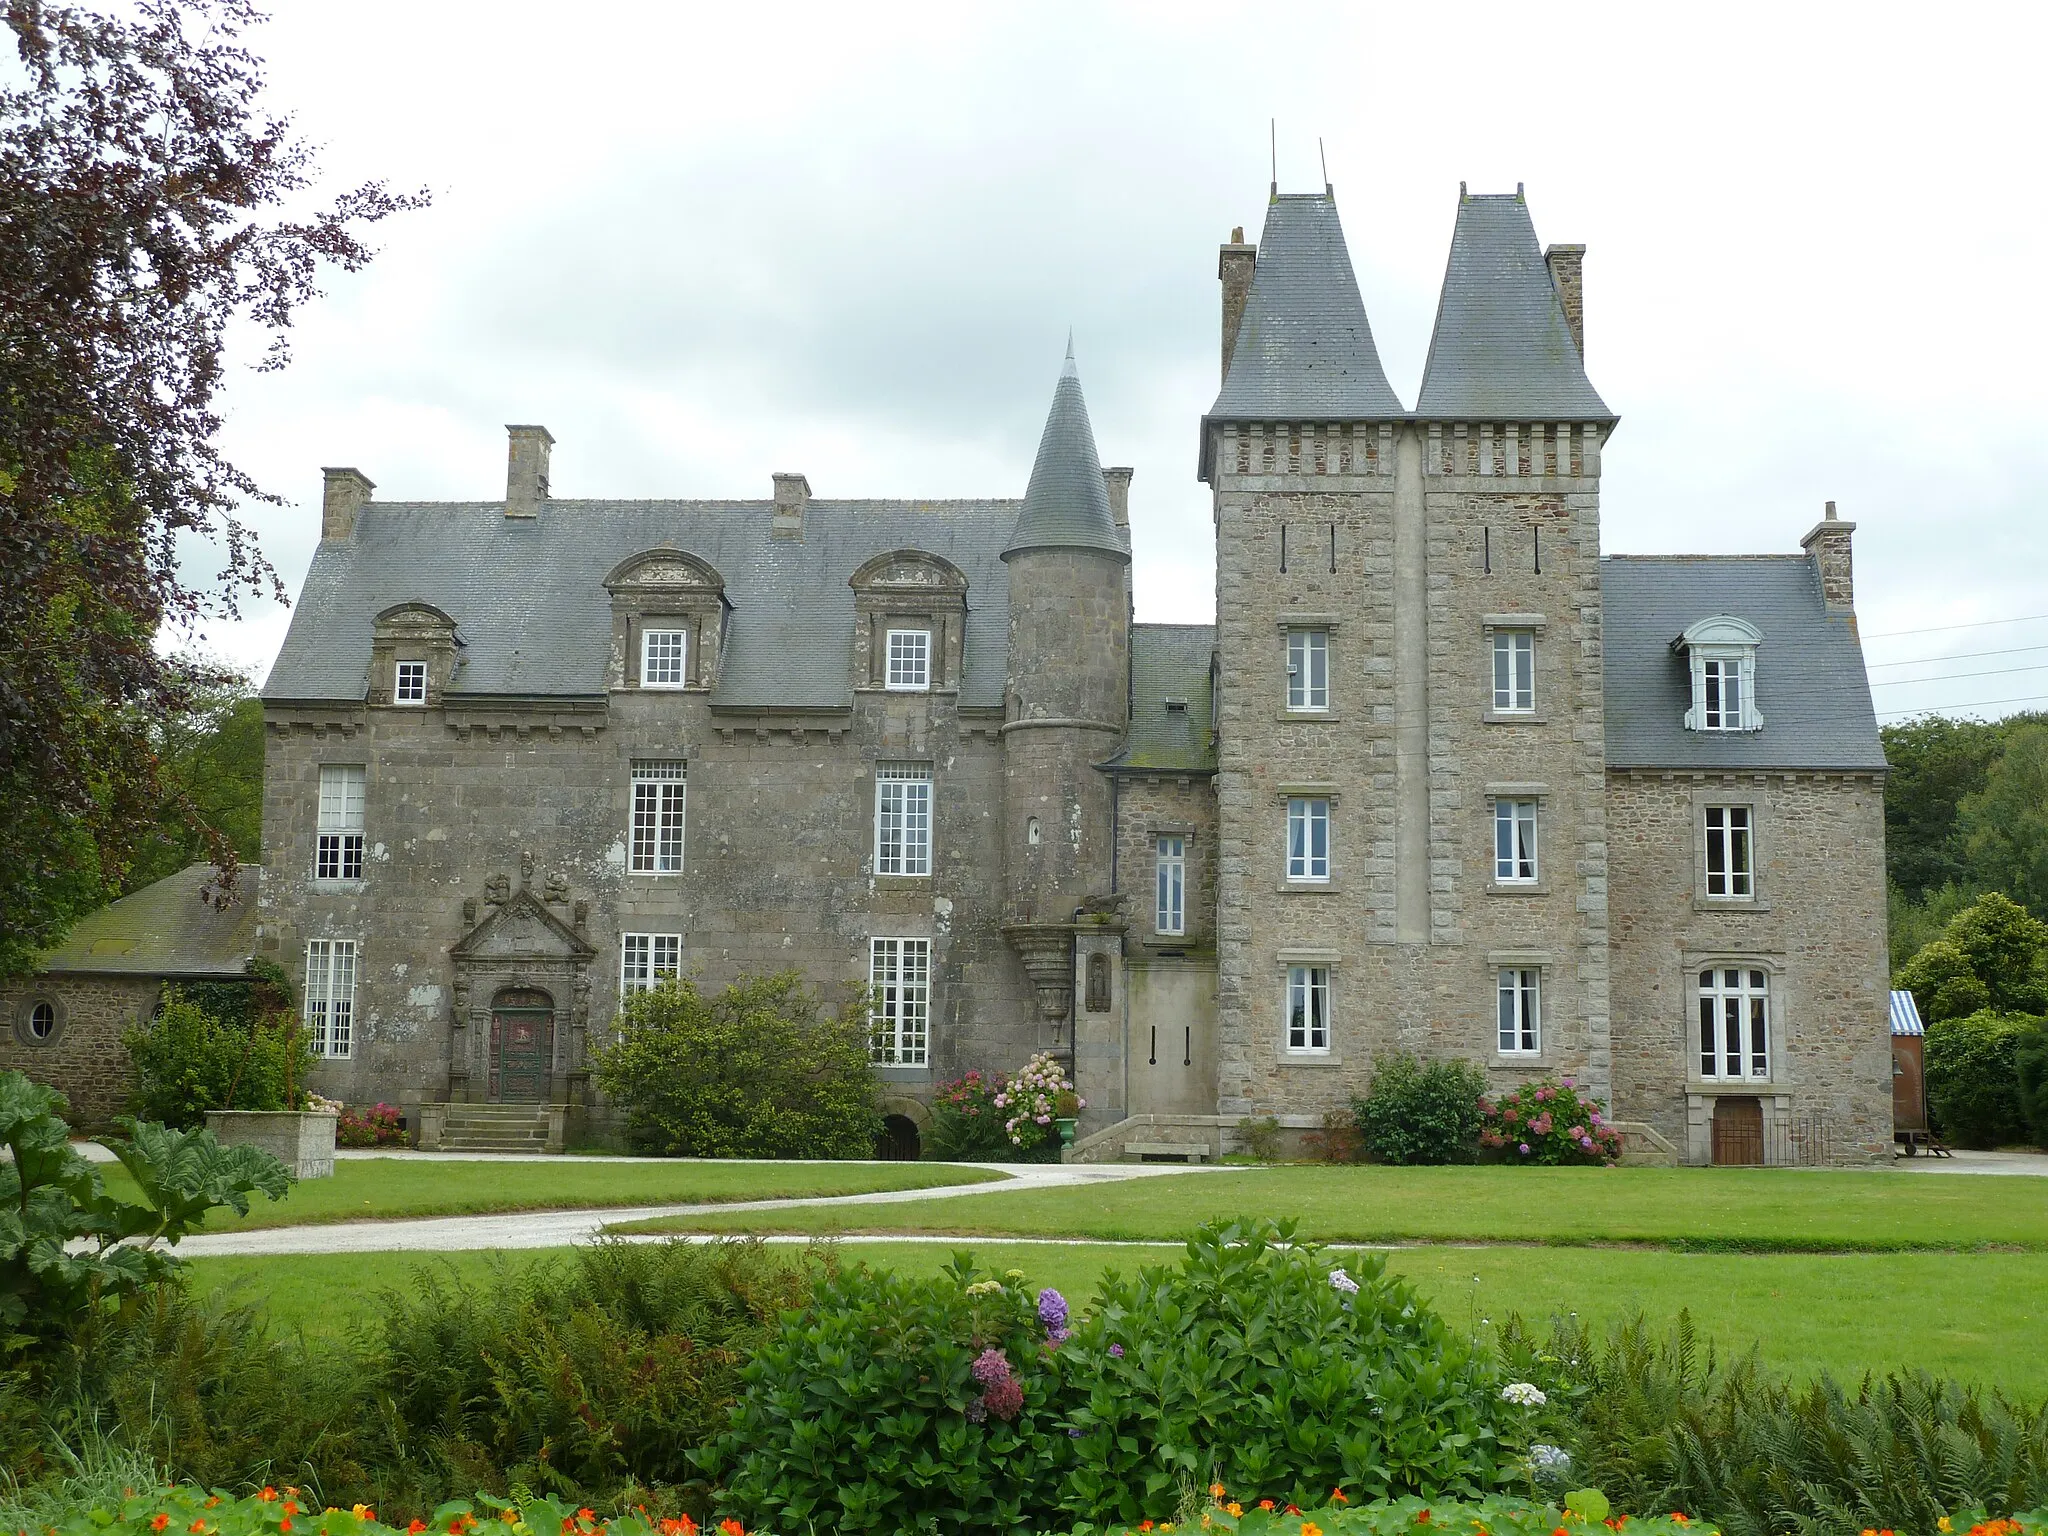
[86,1062]
[1149,806]
[1817,925]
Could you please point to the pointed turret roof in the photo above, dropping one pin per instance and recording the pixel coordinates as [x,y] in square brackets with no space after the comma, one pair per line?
[1066,505]
[1304,347]
[1501,349]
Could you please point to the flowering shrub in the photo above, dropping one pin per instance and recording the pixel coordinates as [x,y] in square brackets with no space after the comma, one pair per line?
[1417,1112]
[1336,1515]
[1547,1122]
[190,1511]
[967,1124]
[376,1127]
[1033,1099]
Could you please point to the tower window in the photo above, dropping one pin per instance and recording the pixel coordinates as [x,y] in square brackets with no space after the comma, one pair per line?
[1308,839]
[338,850]
[910,660]
[1729,871]
[1308,1009]
[1514,672]
[1521,1011]
[1308,669]
[1171,868]
[1514,842]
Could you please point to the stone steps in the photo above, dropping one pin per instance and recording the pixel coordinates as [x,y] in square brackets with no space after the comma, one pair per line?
[488,1128]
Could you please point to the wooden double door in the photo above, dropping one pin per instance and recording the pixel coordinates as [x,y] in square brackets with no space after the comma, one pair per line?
[1738,1132]
[522,1046]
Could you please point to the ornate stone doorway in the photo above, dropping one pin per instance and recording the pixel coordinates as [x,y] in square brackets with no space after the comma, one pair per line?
[522,1046]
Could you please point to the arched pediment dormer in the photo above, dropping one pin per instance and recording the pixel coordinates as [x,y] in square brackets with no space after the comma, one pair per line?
[415,652]
[1720,653]
[910,617]
[668,621]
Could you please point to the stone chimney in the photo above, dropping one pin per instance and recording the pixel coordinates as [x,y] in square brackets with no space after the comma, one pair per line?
[1829,545]
[792,495]
[347,490]
[1566,263]
[526,470]
[1118,483]
[1235,264]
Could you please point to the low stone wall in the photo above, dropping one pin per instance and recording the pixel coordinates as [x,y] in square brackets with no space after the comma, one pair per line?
[303,1142]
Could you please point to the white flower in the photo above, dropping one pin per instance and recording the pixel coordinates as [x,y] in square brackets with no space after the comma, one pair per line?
[1549,1458]
[1339,1281]
[1523,1394]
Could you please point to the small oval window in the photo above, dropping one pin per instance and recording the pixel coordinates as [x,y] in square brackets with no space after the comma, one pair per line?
[42,1023]
[1031,830]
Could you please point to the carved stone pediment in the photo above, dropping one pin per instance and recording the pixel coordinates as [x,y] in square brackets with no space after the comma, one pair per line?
[669,570]
[909,570]
[522,929]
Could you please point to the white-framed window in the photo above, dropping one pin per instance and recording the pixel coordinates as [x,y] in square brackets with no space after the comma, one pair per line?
[1521,1010]
[1514,672]
[899,1015]
[1735,1024]
[330,996]
[1170,866]
[663,657]
[1514,842]
[1722,654]
[648,959]
[659,791]
[903,818]
[409,686]
[1308,839]
[1308,669]
[1730,872]
[338,847]
[910,660]
[1308,1009]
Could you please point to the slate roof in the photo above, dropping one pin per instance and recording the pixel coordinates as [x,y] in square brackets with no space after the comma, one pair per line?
[1810,684]
[165,929]
[1170,661]
[1304,347]
[1066,505]
[528,599]
[1501,349]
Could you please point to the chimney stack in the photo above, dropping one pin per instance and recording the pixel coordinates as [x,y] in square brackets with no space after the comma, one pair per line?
[1829,545]
[1565,263]
[526,470]
[347,490]
[1235,264]
[1118,482]
[792,495]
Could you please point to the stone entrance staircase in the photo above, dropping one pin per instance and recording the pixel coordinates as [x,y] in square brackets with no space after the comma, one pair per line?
[491,1127]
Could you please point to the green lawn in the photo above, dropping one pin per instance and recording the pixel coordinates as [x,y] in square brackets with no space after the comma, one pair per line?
[383,1187]
[1982,1317]
[1705,1209]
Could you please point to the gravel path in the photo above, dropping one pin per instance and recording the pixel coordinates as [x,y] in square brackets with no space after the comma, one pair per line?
[556,1229]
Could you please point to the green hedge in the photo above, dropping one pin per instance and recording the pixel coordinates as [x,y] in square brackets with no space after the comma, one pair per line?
[1974,1089]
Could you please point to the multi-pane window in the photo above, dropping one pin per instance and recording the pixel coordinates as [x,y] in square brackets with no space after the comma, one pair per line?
[1514,671]
[1729,872]
[1735,1024]
[338,851]
[662,656]
[1514,842]
[410,684]
[658,794]
[1170,862]
[1308,669]
[648,959]
[330,996]
[899,1015]
[1308,839]
[1722,693]
[903,819]
[1521,1011]
[1308,1008]
[910,660]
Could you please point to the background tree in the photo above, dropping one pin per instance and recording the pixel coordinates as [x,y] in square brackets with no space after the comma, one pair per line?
[1991,955]
[209,759]
[141,183]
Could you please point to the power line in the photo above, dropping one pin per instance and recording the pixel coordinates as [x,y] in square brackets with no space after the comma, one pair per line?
[1956,677]
[1921,661]
[1935,709]
[1893,634]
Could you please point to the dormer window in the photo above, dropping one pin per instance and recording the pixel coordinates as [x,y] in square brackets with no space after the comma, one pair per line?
[663,653]
[910,660]
[409,686]
[1722,652]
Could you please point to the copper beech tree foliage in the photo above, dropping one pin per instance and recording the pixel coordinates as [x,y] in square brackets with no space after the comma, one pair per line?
[149,204]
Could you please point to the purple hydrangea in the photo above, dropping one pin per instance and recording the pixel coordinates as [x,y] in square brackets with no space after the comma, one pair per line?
[1116,1351]
[1525,1149]
[1052,1309]
[991,1366]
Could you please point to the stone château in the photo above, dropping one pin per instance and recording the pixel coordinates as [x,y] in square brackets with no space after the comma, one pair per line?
[1441,778]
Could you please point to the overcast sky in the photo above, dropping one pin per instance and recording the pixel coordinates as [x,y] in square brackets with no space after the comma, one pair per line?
[705,243]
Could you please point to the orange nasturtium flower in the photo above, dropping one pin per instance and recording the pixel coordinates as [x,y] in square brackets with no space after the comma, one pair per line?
[415,1528]
[284,1525]
[268,1495]
[1310,1528]
[1265,1503]
[1233,1509]
[732,1528]
[1337,1497]
[160,1521]
[1216,1490]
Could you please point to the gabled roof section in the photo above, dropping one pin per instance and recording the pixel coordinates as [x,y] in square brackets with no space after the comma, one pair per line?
[1169,668]
[1066,506]
[1304,347]
[1810,684]
[166,929]
[1501,350]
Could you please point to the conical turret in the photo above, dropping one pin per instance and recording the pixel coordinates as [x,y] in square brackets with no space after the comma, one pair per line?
[1066,505]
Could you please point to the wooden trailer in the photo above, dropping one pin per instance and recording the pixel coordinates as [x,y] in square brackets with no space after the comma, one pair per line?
[1909,1080]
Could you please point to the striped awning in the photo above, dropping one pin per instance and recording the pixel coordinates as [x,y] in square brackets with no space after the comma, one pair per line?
[1906,1015]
